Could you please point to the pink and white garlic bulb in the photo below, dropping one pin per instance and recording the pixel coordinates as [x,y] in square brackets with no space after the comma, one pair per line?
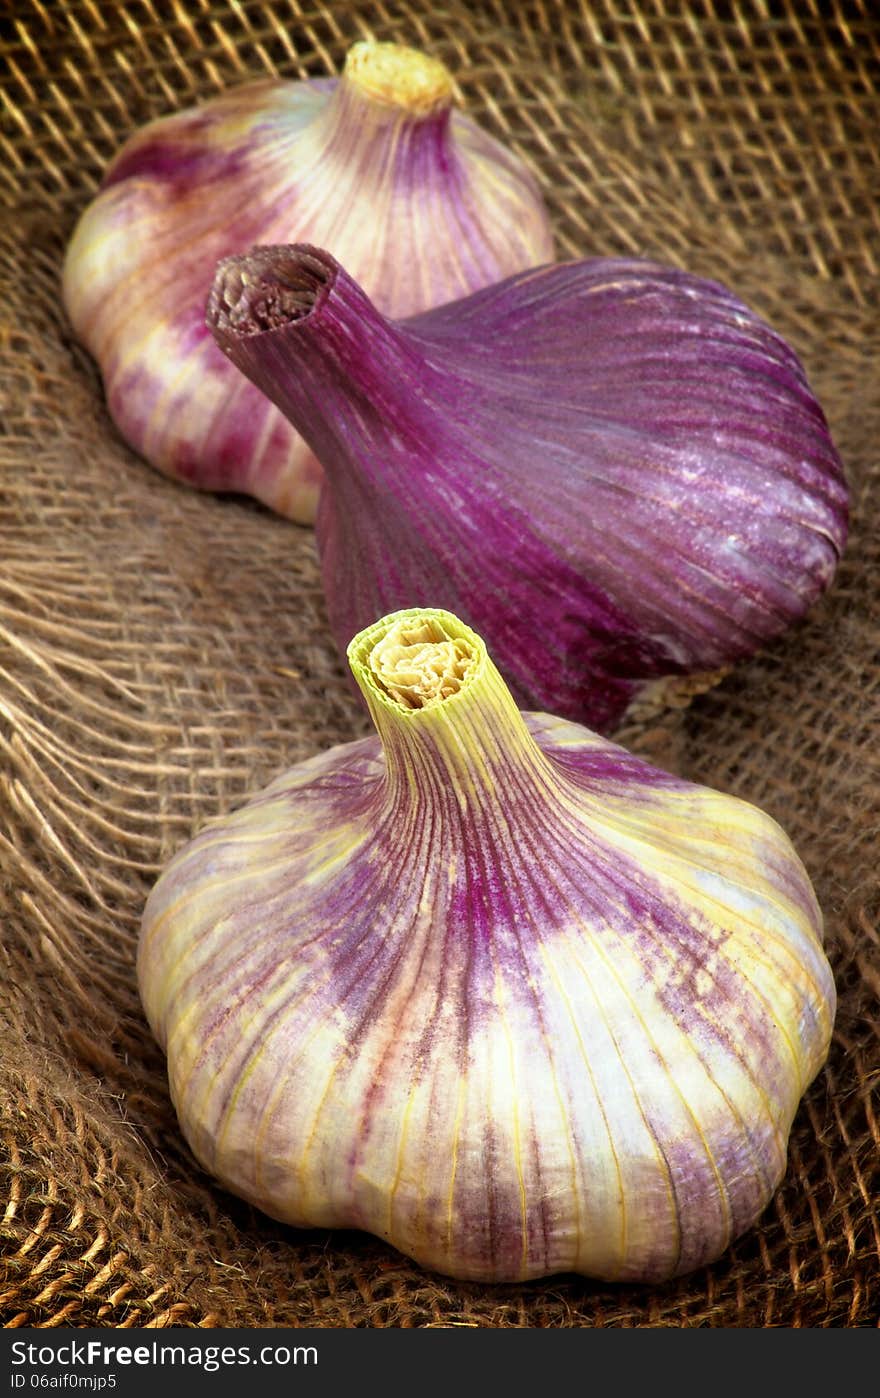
[419,202]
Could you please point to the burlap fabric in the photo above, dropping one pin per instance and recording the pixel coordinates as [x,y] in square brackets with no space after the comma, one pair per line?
[163,653]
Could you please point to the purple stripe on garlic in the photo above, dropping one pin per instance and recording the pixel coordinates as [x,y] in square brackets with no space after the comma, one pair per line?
[489,986]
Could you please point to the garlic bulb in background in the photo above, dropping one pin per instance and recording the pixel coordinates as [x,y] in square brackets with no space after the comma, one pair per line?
[489,986]
[619,457]
[421,203]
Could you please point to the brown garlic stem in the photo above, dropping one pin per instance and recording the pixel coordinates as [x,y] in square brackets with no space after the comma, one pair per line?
[266,289]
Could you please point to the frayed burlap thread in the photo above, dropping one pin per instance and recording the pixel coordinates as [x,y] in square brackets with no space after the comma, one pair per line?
[164,653]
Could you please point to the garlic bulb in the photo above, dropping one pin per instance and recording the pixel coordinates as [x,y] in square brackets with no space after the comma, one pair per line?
[420,202]
[618,457]
[489,986]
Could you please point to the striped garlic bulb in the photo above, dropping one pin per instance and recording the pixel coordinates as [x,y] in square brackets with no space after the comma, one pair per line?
[420,201]
[489,986]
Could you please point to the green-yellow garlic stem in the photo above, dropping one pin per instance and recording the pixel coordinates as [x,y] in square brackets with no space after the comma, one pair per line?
[442,711]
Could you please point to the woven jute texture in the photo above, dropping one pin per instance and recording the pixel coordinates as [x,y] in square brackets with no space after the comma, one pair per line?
[164,653]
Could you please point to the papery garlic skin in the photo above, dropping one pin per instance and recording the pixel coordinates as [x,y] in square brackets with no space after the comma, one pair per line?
[422,203]
[617,456]
[490,987]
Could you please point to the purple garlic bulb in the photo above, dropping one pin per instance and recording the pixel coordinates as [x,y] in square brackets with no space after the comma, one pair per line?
[419,202]
[489,986]
[617,457]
